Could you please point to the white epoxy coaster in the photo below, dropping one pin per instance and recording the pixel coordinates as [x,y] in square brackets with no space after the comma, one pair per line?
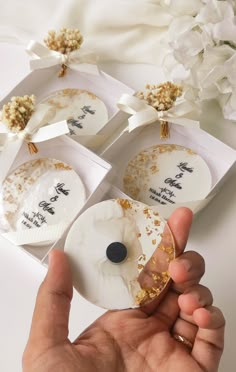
[119,251]
[85,113]
[39,193]
[167,174]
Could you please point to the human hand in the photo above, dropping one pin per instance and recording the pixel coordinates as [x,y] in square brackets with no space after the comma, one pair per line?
[130,340]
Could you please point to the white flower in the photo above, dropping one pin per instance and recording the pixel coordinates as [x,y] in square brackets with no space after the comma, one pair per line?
[218,18]
[203,48]
[212,69]
[227,87]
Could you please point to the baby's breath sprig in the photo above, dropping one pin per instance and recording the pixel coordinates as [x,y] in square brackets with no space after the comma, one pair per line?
[65,41]
[162,97]
[17,113]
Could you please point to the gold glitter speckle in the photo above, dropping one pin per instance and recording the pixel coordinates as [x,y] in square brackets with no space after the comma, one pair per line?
[62,166]
[124,203]
[142,257]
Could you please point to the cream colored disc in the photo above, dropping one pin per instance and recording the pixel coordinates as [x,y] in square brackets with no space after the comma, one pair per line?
[85,113]
[167,174]
[119,251]
[40,193]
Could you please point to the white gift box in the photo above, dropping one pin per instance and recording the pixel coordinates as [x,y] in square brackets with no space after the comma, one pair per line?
[92,170]
[219,157]
[43,82]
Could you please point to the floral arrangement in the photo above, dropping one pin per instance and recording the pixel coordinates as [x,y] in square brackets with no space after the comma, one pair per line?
[18,112]
[202,50]
[65,41]
[16,115]
[162,97]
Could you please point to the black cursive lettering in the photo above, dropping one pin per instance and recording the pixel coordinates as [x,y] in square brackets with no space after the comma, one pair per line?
[173,183]
[59,189]
[184,167]
[47,207]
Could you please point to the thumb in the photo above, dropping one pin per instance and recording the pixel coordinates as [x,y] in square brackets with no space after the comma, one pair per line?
[51,313]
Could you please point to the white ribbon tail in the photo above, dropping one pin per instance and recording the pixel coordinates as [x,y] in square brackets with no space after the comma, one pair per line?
[83,60]
[34,48]
[189,123]
[78,60]
[40,63]
[50,131]
[144,114]
[37,234]
[41,116]
[142,118]
[42,56]
[130,104]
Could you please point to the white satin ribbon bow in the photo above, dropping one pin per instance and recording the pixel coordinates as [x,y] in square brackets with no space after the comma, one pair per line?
[143,114]
[34,132]
[79,60]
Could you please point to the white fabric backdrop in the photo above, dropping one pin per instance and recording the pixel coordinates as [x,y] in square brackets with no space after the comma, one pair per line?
[129,31]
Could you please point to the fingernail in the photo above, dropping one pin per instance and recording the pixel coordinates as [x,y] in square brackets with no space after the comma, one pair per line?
[186,263]
[196,296]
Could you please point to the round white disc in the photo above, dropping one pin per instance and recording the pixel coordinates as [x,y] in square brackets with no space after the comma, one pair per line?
[167,174]
[94,246]
[39,193]
[85,113]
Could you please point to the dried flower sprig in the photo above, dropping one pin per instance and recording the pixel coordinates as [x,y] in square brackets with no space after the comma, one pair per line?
[162,97]
[65,41]
[17,113]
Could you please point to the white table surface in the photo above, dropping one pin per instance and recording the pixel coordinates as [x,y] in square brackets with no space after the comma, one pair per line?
[213,235]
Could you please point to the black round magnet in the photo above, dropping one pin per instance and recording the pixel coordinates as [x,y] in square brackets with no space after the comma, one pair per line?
[116,252]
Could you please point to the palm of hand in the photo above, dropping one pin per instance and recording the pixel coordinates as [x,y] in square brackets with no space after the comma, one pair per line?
[121,341]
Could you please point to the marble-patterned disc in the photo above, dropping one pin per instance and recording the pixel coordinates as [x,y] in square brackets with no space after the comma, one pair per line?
[167,174]
[85,113]
[39,193]
[119,251]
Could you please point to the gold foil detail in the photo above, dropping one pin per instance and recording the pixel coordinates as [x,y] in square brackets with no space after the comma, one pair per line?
[124,203]
[62,166]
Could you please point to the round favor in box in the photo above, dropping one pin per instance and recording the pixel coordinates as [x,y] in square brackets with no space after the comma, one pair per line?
[85,113]
[119,251]
[40,193]
[167,174]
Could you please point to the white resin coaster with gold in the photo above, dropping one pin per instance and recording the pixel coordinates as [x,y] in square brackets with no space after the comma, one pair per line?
[119,251]
[167,174]
[85,113]
[40,193]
